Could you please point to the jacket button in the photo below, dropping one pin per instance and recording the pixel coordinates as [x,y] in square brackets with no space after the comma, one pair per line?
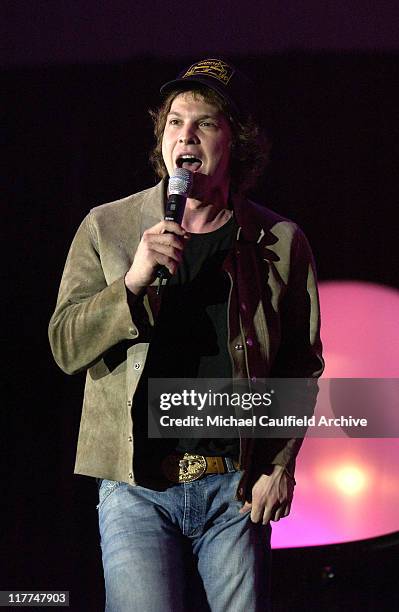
[238,347]
[132,331]
[130,438]
[130,475]
[137,366]
[129,403]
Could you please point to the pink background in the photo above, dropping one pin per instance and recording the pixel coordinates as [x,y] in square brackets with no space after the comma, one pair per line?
[348,488]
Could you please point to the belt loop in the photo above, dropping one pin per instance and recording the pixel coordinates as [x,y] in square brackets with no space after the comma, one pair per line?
[229,464]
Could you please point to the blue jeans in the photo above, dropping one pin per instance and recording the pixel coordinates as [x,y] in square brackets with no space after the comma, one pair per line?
[186,548]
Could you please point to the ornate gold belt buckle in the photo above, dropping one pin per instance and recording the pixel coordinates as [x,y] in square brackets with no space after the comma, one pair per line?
[191,467]
[188,468]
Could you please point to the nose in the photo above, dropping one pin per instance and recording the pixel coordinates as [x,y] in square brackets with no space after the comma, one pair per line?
[187,134]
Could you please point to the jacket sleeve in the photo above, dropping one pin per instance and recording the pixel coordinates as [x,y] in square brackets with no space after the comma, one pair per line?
[91,316]
[300,353]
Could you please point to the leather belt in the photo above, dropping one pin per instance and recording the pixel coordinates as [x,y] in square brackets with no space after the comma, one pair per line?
[187,467]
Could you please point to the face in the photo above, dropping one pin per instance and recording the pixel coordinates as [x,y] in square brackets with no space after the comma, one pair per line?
[198,137]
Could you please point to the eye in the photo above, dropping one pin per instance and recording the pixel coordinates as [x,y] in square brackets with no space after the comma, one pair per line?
[208,124]
[173,121]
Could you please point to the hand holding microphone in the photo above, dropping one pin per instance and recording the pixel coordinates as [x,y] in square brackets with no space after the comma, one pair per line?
[160,250]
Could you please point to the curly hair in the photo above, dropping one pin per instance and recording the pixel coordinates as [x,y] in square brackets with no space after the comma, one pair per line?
[250,146]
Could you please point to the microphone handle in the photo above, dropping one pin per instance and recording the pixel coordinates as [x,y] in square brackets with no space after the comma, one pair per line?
[175,207]
[174,212]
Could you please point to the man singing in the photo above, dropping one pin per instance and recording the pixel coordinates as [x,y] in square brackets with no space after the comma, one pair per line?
[240,302]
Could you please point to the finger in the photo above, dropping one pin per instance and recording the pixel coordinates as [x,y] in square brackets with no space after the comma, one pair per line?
[162,249]
[168,262]
[175,228]
[278,514]
[287,510]
[246,507]
[167,226]
[267,514]
[168,240]
[256,513]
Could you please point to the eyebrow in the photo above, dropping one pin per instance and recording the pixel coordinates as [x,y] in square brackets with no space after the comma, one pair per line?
[205,116]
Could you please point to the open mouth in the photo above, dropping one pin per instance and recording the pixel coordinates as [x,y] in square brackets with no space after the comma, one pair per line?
[189,162]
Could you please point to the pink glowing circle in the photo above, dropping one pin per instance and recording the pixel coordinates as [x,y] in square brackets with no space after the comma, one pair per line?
[348,488]
[360,330]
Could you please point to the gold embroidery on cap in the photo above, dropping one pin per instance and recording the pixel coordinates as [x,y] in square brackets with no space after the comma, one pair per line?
[211,67]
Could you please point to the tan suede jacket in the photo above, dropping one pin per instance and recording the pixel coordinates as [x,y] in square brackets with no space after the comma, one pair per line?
[273,324]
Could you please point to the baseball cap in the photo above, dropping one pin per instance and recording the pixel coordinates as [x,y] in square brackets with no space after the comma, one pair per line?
[221,76]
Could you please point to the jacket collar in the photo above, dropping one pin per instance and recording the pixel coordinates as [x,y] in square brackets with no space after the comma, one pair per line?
[254,221]
[250,219]
[153,207]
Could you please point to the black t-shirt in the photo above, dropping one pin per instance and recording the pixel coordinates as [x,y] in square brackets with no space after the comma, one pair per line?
[190,336]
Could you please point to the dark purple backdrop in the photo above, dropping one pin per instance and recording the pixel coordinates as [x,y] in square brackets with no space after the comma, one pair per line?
[79,31]
[78,134]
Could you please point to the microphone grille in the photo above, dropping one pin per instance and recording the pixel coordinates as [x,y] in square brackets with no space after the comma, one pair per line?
[181,182]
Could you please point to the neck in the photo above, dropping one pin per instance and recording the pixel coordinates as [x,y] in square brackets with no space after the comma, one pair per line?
[205,218]
[207,214]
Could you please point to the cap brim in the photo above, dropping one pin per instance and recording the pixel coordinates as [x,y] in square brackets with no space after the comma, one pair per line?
[184,84]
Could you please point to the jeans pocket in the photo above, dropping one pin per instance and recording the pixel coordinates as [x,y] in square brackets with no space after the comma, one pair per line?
[106,488]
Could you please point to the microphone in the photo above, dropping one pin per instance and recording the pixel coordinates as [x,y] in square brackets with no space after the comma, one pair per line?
[179,188]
